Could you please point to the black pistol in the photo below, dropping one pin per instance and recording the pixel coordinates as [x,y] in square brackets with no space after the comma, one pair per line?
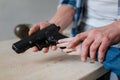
[42,38]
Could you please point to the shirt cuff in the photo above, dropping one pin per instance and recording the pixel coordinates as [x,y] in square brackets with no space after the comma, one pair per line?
[71,3]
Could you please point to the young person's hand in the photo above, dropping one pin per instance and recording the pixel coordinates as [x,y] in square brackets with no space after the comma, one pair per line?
[37,27]
[72,51]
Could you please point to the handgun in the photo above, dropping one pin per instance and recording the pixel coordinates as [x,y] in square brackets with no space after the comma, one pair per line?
[42,38]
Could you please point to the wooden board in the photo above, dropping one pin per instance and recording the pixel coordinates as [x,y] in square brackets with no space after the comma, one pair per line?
[39,66]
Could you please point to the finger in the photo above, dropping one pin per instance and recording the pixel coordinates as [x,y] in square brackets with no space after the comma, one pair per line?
[93,49]
[85,48]
[102,50]
[33,29]
[34,49]
[44,24]
[77,40]
[73,53]
[62,44]
[76,52]
[54,48]
[45,50]
[68,50]
[65,40]
[38,26]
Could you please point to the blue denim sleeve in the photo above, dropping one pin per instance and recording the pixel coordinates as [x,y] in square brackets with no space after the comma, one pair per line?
[68,2]
[112,60]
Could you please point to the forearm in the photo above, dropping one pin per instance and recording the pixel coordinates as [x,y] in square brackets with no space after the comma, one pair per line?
[63,17]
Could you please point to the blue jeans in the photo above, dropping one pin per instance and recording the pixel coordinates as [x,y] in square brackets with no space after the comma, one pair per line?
[112,58]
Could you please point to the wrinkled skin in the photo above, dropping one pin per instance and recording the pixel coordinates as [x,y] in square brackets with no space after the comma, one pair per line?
[95,40]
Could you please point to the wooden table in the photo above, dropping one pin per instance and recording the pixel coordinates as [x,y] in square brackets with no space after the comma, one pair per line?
[38,66]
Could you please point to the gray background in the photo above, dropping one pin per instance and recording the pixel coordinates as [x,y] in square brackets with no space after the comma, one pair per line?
[13,12]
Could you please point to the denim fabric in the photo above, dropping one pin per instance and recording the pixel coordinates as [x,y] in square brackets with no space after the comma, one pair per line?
[112,60]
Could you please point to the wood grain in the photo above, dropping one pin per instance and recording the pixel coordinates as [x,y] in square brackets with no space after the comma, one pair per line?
[39,66]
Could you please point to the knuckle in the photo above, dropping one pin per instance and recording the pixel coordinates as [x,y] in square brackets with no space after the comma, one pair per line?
[92,49]
[93,31]
[102,50]
[99,36]
[92,57]
[78,36]
[85,45]
[106,38]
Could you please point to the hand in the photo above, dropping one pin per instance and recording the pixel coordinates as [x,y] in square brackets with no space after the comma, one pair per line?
[37,27]
[96,40]
[65,42]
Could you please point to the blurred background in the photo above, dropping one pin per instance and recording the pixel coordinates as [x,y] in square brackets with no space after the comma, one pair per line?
[14,12]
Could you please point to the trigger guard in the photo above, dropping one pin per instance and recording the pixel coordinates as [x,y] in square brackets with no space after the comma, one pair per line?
[40,46]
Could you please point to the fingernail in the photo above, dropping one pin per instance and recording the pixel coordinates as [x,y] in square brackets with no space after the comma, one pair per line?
[100,60]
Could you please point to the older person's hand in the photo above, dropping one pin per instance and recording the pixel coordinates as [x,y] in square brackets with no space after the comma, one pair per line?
[96,40]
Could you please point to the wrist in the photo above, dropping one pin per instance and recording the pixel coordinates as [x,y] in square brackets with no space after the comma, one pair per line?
[63,17]
[115,26]
[117,23]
